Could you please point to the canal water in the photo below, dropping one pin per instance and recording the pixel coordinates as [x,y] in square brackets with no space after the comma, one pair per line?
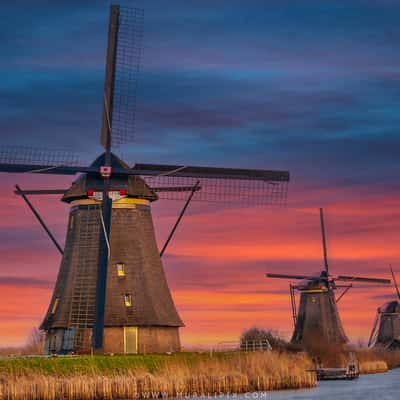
[367,387]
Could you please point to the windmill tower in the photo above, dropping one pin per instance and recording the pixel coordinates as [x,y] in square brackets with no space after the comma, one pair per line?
[111,293]
[386,329]
[317,319]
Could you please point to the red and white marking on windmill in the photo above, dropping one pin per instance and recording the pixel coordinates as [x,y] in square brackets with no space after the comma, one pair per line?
[112,194]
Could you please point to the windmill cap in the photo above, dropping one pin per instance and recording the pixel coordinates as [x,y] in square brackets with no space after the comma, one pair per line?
[134,185]
[390,307]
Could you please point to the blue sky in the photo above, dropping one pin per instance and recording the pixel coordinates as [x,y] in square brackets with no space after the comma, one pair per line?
[311,86]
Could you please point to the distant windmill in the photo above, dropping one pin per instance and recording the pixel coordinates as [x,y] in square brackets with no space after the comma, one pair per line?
[318,318]
[386,329]
[111,293]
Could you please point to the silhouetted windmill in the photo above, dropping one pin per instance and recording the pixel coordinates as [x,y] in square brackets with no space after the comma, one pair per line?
[318,319]
[111,293]
[386,329]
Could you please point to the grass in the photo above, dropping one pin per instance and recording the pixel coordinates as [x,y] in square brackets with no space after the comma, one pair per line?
[115,377]
[68,366]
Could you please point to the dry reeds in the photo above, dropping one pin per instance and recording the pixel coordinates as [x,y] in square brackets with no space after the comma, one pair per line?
[390,357]
[373,367]
[164,376]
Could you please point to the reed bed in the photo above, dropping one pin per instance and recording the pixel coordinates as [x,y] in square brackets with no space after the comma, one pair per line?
[337,356]
[133,377]
[373,367]
[378,357]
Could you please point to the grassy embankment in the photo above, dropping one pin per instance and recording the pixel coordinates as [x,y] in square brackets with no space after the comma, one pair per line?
[116,377]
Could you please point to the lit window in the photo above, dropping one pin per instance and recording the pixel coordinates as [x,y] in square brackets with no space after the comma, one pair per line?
[121,269]
[128,300]
[55,304]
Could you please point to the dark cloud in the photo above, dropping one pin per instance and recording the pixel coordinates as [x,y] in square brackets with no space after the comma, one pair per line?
[302,85]
[384,297]
[26,282]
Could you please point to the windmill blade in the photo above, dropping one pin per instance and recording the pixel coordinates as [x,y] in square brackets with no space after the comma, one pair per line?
[228,185]
[362,279]
[321,215]
[44,169]
[21,159]
[110,78]
[395,282]
[241,192]
[122,71]
[300,277]
[176,189]
[211,172]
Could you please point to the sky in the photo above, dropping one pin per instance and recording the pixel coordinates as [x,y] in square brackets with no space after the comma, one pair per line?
[311,86]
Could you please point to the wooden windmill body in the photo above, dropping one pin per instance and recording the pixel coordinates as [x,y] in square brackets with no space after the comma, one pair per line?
[139,314]
[111,293]
[317,320]
[386,329]
[318,317]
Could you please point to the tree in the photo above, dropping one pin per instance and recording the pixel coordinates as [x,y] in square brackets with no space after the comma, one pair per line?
[257,335]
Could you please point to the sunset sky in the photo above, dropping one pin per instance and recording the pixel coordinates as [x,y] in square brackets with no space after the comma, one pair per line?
[312,87]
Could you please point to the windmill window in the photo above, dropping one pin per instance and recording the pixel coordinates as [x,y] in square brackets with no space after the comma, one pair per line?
[128,300]
[55,304]
[120,269]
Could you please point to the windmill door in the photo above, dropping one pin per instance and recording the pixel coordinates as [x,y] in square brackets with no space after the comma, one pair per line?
[130,340]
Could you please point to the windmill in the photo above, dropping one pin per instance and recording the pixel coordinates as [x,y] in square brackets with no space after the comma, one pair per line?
[111,293]
[386,329]
[317,319]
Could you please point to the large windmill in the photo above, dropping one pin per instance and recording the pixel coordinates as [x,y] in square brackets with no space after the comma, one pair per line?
[111,293]
[386,329]
[317,319]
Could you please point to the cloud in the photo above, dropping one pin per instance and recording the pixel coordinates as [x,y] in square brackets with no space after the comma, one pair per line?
[26,281]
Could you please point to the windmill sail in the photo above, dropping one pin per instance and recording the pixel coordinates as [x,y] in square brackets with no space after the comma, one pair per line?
[122,71]
[224,187]
[321,213]
[362,279]
[21,159]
